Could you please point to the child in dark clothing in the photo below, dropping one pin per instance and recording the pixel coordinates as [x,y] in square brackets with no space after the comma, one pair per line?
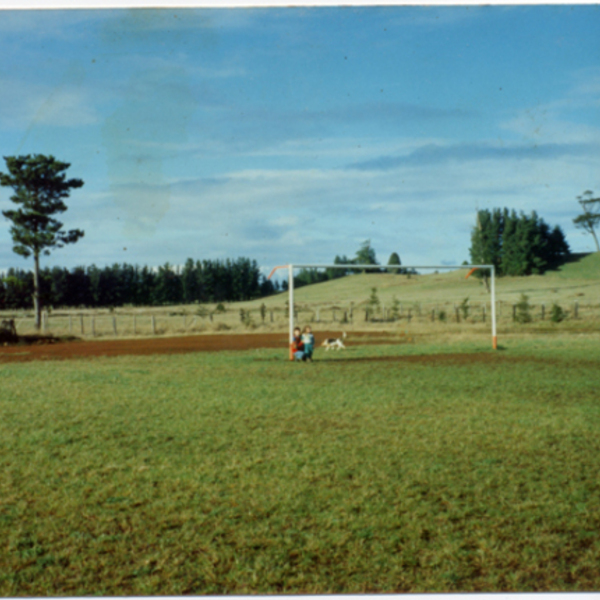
[308,339]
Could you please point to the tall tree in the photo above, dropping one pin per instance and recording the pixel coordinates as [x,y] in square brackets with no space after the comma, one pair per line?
[40,186]
[365,255]
[168,289]
[394,260]
[486,241]
[2,293]
[589,220]
[189,282]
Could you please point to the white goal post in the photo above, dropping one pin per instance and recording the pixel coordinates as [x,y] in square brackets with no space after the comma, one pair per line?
[472,268]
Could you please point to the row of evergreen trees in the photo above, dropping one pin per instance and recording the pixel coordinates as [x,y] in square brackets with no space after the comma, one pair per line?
[123,284]
[517,244]
[365,255]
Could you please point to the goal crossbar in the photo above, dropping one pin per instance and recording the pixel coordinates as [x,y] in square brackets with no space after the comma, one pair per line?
[291,268]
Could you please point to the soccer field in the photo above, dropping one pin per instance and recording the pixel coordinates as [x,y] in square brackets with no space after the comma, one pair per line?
[385,468]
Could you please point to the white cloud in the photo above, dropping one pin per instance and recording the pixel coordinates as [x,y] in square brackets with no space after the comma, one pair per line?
[559,120]
[26,104]
[586,87]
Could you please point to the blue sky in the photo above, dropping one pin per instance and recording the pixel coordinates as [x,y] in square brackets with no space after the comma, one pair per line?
[294,134]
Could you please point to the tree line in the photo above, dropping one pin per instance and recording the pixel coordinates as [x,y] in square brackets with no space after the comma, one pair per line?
[516,244]
[365,255]
[123,284]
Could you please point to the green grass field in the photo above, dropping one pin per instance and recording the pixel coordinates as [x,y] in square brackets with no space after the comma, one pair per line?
[410,467]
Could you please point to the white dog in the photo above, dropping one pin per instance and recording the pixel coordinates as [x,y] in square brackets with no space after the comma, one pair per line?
[338,344]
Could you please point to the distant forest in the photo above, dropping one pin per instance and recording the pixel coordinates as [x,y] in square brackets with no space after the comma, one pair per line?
[123,284]
[130,285]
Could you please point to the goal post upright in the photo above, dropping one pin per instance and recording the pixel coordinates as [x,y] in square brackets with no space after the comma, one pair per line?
[493,294]
[291,267]
[291,306]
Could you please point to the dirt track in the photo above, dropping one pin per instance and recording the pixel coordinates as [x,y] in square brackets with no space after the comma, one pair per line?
[60,350]
[172,345]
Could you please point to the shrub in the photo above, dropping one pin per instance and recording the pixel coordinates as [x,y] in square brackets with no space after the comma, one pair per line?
[220,308]
[464,307]
[395,309]
[557,314]
[246,318]
[374,307]
[8,332]
[523,312]
[202,311]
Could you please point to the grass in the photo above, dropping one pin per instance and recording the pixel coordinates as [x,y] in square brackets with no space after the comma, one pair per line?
[413,467]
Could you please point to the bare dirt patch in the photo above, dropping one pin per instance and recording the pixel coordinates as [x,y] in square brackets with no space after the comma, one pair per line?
[57,349]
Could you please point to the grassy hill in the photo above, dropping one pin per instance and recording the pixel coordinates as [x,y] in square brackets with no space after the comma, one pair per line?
[579,279]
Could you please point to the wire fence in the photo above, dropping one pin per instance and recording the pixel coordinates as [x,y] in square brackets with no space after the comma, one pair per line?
[89,324]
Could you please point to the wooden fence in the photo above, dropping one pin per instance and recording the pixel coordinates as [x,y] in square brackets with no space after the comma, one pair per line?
[144,324]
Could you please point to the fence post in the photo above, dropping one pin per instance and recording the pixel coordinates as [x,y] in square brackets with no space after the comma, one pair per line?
[184,321]
[153,325]
[409,316]
[433,315]
[483,309]
[514,312]
[271,316]
[70,324]
[457,313]
[134,325]
[44,324]
[93,326]
[576,309]
[318,315]
[114,321]
[333,311]
[81,323]
[543,311]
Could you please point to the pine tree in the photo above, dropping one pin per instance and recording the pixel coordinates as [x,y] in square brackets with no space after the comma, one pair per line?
[40,186]
[394,260]
[365,255]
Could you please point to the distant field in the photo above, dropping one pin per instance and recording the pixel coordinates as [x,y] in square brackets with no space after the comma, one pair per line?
[340,304]
[414,467]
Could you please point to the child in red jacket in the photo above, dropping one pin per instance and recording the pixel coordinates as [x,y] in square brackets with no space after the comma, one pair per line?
[297,347]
